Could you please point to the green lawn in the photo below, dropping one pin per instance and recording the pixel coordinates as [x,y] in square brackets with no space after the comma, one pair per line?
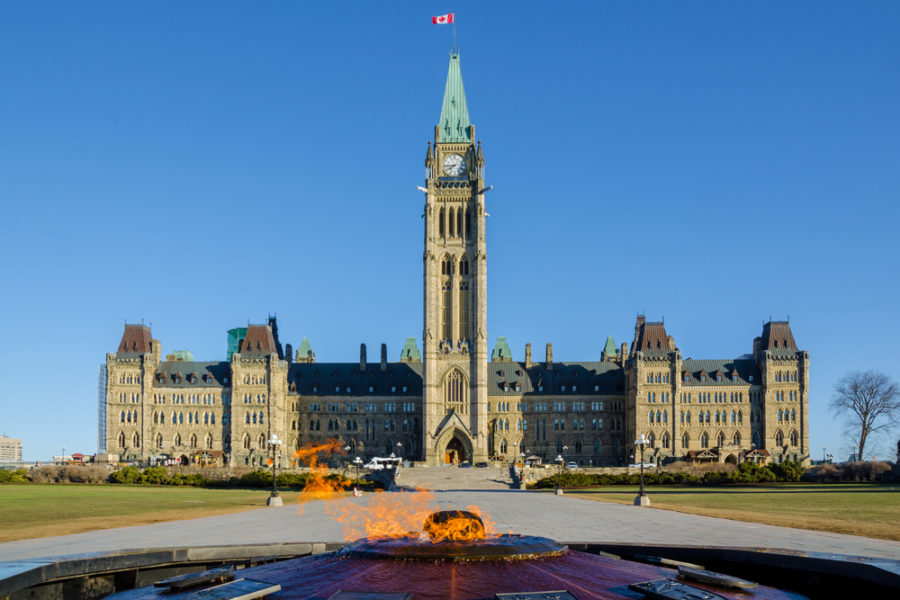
[860,509]
[34,510]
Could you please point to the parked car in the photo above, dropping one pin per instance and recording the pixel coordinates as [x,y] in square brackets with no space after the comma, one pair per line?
[481,465]
[638,466]
[465,465]
[571,465]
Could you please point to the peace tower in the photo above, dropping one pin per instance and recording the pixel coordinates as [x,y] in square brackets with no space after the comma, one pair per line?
[455,292]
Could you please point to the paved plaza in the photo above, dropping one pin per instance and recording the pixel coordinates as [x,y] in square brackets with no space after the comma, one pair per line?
[562,518]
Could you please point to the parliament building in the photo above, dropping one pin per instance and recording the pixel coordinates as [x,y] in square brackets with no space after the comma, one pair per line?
[456,400]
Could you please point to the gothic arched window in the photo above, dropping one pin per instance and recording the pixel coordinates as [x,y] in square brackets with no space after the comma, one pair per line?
[704,440]
[736,439]
[685,441]
[779,438]
[456,392]
[441,223]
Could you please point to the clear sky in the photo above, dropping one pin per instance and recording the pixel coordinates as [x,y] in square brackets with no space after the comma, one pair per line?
[201,165]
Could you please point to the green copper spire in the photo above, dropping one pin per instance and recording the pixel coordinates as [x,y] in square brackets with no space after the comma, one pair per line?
[610,348]
[454,112]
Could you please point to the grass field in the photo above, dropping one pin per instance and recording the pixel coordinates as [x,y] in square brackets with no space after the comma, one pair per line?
[33,510]
[858,509]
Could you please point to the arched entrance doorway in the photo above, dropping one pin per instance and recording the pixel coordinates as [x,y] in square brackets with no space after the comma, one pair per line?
[455,452]
[731,459]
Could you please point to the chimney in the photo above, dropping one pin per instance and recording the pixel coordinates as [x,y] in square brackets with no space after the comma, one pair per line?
[362,357]
[289,353]
[549,359]
[623,354]
[528,355]
[384,357]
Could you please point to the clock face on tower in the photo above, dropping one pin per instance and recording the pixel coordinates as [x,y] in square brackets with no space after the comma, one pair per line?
[454,165]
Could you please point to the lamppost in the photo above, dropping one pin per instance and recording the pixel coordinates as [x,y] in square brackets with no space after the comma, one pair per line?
[400,450]
[274,445]
[357,462]
[642,500]
[559,463]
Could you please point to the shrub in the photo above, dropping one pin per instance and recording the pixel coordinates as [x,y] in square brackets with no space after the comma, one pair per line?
[155,475]
[126,475]
[788,471]
[256,479]
[17,476]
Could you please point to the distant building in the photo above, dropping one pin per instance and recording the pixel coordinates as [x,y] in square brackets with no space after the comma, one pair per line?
[101,409]
[10,451]
[454,400]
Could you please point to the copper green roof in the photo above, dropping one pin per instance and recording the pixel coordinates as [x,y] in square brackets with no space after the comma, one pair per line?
[410,350]
[304,348]
[454,112]
[501,350]
[610,346]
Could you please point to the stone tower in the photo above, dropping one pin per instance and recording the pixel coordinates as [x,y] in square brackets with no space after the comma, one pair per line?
[455,390]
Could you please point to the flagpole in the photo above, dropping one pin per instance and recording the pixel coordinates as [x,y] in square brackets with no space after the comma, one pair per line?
[454,48]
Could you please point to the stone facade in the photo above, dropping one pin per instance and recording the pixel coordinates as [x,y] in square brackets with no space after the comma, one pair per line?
[453,401]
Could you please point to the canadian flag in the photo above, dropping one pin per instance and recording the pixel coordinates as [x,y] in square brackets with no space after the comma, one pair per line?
[442,19]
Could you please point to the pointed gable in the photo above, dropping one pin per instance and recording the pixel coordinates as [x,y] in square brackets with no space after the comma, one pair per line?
[650,338]
[778,338]
[259,341]
[136,339]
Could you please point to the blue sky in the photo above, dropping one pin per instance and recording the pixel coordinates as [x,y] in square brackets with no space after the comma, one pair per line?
[198,165]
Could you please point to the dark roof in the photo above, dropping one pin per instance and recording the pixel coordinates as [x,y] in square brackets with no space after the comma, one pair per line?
[607,377]
[136,340]
[778,338]
[205,374]
[258,341]
[745,369]
[650,338]
[324,377]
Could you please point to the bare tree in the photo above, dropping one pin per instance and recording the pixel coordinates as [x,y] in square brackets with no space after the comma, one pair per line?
[871,399]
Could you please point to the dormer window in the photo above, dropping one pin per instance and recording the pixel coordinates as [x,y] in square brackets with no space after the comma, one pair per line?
[718,378]
[505,387]
[403,388]
[574,388]
[596,388]
[687,378]
[703,378]
[371,388]
[751,379]
[518,388]
[540,388]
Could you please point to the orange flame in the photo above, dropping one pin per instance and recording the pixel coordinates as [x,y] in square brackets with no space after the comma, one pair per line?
[385,515]
[403,514]
[318,486]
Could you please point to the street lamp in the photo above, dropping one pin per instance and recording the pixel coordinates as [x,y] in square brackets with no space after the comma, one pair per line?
[274,445]
[357,462]
[559,463]
[642,500]
[400,450]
